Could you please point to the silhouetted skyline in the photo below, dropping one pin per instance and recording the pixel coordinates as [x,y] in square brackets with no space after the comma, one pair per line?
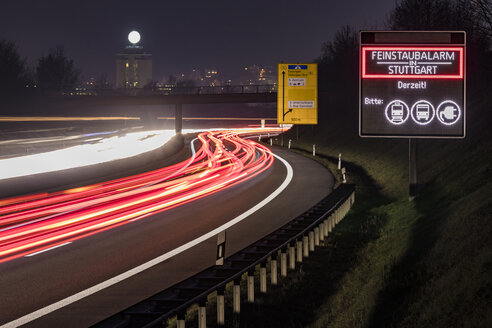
[183,35]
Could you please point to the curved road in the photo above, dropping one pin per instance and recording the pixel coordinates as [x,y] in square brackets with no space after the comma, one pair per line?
[31,283]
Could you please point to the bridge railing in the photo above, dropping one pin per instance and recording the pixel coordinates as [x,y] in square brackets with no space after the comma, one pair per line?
[216,90]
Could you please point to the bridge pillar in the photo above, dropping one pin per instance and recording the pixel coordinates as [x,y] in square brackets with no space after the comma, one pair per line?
[178,121]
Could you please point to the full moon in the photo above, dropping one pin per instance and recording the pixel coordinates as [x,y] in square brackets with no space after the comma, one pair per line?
[134,37]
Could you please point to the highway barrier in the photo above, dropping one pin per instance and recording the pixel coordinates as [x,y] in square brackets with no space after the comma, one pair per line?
[291,243]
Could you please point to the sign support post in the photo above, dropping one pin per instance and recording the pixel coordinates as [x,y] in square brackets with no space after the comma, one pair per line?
[412,164]
[412,84]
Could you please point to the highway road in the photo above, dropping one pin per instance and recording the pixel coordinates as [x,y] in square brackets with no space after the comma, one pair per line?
[82,281]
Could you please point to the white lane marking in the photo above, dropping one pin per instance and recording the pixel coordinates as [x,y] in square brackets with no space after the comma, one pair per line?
[125,275]
[48,249]
[193,151]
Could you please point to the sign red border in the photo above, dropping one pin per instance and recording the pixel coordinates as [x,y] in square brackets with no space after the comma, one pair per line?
[414,76]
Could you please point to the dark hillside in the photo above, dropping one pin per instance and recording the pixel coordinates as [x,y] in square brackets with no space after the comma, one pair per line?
[394,262]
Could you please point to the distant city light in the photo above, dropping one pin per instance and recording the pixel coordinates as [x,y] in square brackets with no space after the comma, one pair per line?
[134,37]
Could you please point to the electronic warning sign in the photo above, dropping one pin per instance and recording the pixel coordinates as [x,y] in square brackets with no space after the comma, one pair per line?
[297,101]
[412,84]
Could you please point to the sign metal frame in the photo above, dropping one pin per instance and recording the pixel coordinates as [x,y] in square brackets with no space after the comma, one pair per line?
[413,40]
[297,95]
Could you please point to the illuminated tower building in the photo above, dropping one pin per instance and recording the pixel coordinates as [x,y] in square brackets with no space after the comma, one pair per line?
[133,66]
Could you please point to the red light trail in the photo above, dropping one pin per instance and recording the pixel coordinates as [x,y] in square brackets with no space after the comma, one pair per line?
[30,224]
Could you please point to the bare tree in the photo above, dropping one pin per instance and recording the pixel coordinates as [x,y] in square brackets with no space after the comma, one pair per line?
[13,74]
[473,16]
[430,15]
[338,62]
[337,75]
[484,12]
[102,82]
[56,72]
[172,79]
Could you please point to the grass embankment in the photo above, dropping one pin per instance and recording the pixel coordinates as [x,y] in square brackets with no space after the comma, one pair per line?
[407,264]
[391,262]
[412,264]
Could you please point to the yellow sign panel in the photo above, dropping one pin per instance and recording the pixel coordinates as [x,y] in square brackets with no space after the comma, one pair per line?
[297,101]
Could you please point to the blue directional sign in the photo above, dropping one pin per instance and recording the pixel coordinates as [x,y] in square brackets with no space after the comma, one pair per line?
[298,66]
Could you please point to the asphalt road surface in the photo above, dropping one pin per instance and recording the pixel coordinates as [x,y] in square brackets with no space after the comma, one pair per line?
[31,283]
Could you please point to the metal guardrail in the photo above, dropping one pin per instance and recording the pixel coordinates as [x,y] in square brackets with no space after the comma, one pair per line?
[289,244]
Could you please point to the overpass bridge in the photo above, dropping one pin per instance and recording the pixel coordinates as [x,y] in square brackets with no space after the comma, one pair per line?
[134,98]
[214,95]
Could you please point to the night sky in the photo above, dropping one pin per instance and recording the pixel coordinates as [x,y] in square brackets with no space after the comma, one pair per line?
[182,35]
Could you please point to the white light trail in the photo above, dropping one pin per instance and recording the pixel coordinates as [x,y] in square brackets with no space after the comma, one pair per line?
[106,150]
